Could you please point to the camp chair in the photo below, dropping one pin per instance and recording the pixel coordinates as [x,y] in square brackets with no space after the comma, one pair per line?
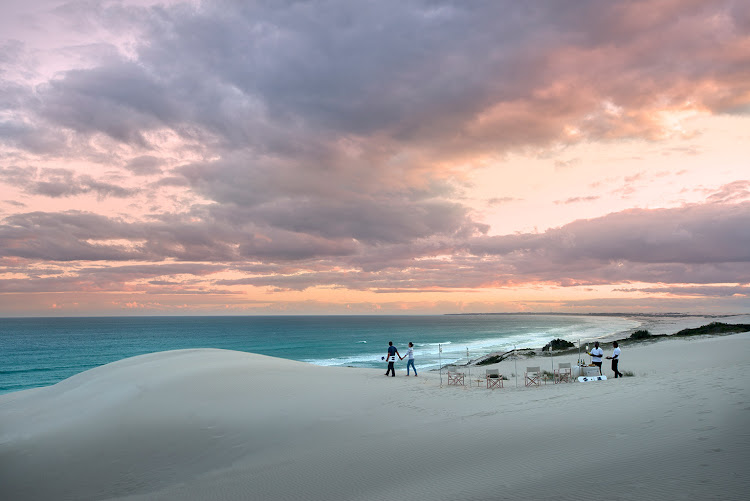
[455,378]
[533,376]
[494,379]
[563,373]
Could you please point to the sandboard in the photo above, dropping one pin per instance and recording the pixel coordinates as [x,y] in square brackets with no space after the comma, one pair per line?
[586,379]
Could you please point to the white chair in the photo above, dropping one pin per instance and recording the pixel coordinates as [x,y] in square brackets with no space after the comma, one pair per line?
[533,376]
[563,373]
[494,379]
[455,378]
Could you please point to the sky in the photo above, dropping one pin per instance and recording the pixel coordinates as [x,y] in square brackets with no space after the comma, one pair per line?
[374,157]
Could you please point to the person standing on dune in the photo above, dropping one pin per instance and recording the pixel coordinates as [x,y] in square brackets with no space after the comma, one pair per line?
[615,359]
[410,361]
[596,356]
[392,354]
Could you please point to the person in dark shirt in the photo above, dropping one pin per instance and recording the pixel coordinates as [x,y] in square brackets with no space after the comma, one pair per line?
[392,354]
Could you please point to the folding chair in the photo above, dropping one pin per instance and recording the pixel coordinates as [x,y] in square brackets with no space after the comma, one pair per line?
[455,378]
[563,373]
[494,379]
[533,376]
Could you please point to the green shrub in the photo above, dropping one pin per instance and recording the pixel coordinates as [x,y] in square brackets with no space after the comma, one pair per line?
[640,334]
[714,328]
[558,344]
[494,359]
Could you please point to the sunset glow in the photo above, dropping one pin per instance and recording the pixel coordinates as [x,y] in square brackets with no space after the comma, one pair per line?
[339,157]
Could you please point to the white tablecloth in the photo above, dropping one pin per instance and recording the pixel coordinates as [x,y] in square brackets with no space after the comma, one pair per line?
[585,371]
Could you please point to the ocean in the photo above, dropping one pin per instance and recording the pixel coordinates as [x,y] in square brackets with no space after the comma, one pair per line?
[43,351]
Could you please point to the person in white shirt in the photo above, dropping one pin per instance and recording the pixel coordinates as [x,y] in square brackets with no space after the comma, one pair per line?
[596,356]
[615,359]
[410,362]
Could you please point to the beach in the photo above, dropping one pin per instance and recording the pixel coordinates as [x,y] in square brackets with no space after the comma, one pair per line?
[217,424]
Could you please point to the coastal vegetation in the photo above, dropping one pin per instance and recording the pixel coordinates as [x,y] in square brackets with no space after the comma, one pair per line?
[557,344]
[563,347]
[714,329]
[640,334]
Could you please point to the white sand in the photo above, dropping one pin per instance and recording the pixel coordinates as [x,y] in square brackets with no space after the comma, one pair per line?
[214,424]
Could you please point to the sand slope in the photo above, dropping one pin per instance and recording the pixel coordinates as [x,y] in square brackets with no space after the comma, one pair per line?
[215,424]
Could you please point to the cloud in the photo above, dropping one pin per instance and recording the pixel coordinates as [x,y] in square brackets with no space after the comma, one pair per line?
[120,100]
[732,192]
[501,200]
[691,244]
[459,76]
[328,143]
[57,183]
[330,97]
[697,291]
[697,244]
[145,165]
[575,200]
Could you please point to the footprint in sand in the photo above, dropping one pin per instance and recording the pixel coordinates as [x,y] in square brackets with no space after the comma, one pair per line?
[705,428]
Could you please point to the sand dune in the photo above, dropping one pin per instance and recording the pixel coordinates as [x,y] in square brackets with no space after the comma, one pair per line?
[214,424]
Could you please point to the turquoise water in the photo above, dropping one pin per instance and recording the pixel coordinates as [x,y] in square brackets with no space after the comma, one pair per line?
[42,351]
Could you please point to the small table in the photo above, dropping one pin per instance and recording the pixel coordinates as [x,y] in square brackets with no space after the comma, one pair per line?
[585,370]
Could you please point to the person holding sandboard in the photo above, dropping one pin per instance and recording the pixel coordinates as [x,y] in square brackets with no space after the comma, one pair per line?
[392,353]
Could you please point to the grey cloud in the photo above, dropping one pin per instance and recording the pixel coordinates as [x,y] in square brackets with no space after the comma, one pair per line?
[320,99]
[57,183]
[404,70]
[47,284]
[689,245]
[65,237]
[19,129]
[693,244]
[121,99]
[15,203]
[275,245]
[145,165]
[692,234]
[732,192]
[328,201]
[186,291]
[129,272]
[422,276]
[370,221]
[75,236]
[697,291]
[86,281]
